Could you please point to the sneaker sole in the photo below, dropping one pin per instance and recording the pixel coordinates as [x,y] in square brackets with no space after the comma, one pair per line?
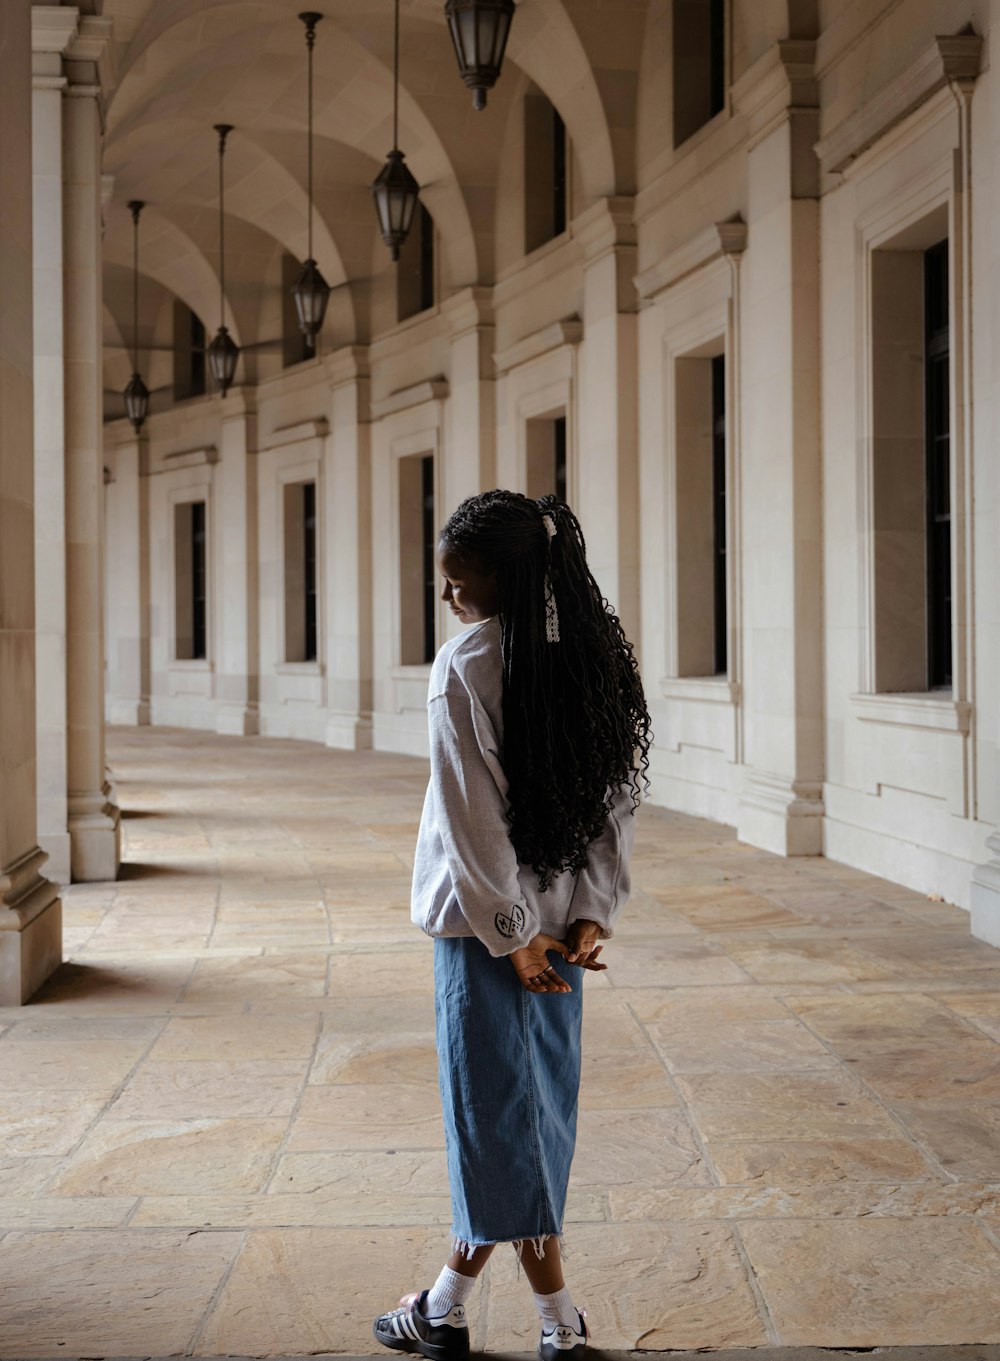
[431,1350]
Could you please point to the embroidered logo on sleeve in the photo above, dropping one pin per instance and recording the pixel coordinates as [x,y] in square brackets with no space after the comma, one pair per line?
[509,923]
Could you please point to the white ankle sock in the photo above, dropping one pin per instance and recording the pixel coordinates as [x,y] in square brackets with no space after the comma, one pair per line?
[450,1288]
[557,1309]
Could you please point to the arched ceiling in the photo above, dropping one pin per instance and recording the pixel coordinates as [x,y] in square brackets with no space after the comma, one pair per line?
[184,65]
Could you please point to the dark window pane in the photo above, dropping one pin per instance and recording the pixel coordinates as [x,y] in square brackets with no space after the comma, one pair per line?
[430,585]
[199,635]
[938,466]
[309,546]
[719,511]
[558,174]
[559,451]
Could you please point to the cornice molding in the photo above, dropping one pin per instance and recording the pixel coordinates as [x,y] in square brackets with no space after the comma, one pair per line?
[432,390]
[569,331]
[316,427]
[470,309]
[349,364]
[53,28]
[780,81]
[954,61]
[715,241]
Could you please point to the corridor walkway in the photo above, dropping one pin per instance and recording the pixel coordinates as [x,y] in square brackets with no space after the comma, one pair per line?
[219,1127]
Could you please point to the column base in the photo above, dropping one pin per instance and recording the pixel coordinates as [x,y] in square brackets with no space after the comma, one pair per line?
[781,815]
[985,896]
[128,713]
[349,732]
[30,929]
[237,720]
[56,846]
[95,836]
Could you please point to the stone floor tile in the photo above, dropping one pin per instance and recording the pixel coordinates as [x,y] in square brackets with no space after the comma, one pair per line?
[652,1147]
[108,1292]
[251,979]
[693,1007]
[392,1056]
[373,1115]
[740,1046]
[853,1283]
[374,1171]
[784,1162]
[653,963]
[193,1089]
[297,1291]
[26,1175]
[101,984]
[389,973]
[65,1212]
[46,1122]
[687,1287]
[171,1157]
[782,1106]
[963,1138]
[95,1066]
[809,960]
[221,1038]
[822,1200]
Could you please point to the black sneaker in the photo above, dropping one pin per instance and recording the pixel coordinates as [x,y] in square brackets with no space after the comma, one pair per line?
[562,1343]
[408,1329]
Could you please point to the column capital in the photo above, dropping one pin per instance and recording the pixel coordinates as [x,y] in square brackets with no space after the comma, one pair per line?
[53,28]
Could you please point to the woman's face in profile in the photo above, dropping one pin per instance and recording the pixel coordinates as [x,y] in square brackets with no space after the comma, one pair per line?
[469,592]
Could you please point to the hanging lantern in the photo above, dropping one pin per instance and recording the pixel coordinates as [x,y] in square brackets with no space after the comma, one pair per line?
[223,356]
[137,393]
[479,31]
[394,189]
[396,193]
[223,353]
[310,290]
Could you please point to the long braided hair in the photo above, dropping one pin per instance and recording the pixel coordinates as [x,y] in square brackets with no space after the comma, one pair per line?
[575,724]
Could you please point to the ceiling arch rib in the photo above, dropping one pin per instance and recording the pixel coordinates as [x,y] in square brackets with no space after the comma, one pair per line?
[257,86]
[169,256]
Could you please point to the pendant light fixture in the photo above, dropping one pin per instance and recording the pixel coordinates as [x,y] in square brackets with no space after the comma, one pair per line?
[479,30]
[310,290]
[395,190]
[223,353]
[137,393]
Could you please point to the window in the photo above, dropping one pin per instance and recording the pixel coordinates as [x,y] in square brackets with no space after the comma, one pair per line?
[191,581]
[546,186]
[546,451]
[938,476]
[719,510]
[911,465]
[702,617]
[415,270]
[295,346]
[301,642]
[418,586]
[699,65]
[189,354]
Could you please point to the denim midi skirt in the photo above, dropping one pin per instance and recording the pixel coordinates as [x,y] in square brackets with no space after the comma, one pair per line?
[509,1070]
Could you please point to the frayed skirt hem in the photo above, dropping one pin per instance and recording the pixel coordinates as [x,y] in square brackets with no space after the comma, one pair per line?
[465,1249]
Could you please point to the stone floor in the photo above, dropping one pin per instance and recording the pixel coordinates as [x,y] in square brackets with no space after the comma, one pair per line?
[219,1123]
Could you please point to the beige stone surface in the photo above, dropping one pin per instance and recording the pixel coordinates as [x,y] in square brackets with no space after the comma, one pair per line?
[852,1284]
[170,1157]
[266,1100]
[687,1286]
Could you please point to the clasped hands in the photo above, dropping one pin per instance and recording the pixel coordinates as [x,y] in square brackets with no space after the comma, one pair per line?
[531,962]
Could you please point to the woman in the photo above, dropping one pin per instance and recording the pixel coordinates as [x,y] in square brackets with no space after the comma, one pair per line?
[539,744]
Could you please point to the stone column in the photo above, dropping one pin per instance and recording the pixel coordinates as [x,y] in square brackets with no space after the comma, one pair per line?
[30,911]
[346,573]
[470,446]
[781,808]
[127,571]
[607,487]
[53,29]
[234,521]
[94,822]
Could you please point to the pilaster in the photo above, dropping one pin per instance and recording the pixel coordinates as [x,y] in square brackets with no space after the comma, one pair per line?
[985,904]
[127,553]
[30,911]
[235,554]
[347,517]
[781,808]
[605,488]
[94,821]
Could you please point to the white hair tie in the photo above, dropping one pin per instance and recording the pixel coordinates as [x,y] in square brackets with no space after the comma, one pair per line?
[550,526]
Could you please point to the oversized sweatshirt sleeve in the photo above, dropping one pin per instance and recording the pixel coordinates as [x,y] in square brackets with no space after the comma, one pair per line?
[605,882]
[470,798]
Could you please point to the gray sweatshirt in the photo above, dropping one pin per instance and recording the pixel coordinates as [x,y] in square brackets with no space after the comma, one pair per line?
[466,877]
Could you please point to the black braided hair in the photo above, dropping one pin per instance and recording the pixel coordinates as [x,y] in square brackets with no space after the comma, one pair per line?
[576,727]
